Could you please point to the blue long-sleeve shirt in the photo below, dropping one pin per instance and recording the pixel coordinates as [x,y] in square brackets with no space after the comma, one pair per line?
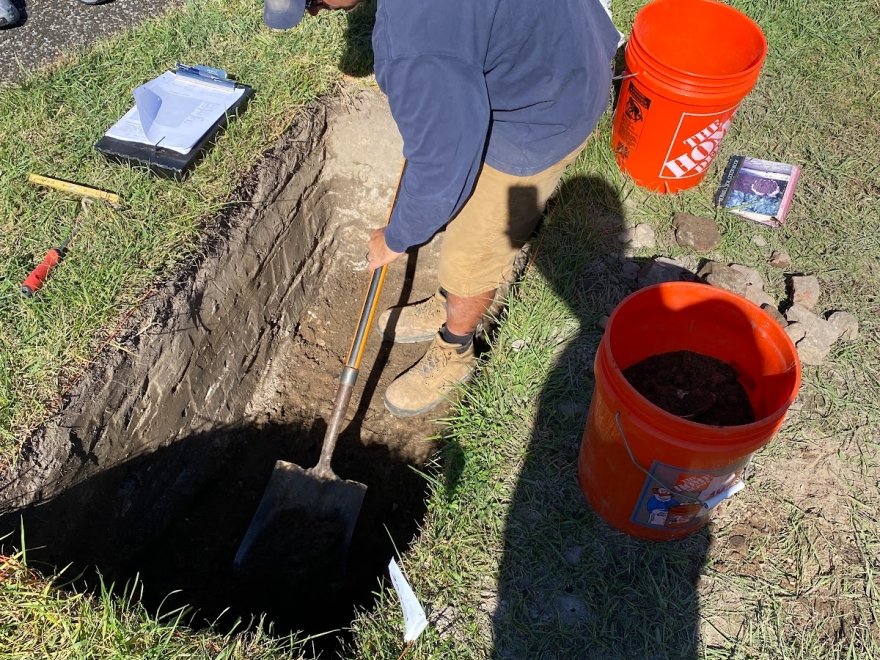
[518,84]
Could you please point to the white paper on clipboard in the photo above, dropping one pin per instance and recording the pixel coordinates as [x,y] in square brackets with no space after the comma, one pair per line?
[174,112]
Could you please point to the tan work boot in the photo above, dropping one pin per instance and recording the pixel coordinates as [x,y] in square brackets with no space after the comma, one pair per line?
[427,383]
[413,323]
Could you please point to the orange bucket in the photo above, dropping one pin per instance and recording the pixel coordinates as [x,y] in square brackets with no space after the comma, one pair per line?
[653,474]
[689,64]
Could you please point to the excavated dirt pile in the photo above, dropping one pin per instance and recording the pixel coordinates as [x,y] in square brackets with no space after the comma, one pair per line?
[157,462]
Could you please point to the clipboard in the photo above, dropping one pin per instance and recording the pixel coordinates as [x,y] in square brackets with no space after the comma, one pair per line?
[169,163]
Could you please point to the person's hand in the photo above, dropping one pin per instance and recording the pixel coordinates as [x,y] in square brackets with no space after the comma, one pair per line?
[379,253]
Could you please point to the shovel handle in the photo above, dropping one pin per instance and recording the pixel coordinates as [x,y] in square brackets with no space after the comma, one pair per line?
[355,354]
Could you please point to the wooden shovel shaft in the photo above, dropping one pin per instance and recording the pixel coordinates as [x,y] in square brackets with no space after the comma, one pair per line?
[349,375]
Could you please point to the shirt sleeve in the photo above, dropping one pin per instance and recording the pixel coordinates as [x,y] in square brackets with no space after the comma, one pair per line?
[441,107]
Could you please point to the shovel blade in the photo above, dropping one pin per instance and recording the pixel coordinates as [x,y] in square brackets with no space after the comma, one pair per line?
[301,515]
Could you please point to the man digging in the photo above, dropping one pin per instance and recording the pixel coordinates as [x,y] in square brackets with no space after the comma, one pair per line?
[493,100]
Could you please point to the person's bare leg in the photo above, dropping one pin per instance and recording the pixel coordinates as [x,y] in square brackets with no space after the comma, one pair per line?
[463,314]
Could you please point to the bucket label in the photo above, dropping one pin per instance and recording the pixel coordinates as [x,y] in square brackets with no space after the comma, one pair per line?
[635,106]
[695,144]
[673,498]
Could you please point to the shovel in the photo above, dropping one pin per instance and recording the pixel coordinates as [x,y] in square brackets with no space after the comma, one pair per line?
[315,502]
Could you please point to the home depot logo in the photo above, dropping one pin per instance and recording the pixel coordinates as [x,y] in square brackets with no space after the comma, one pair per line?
[695,143]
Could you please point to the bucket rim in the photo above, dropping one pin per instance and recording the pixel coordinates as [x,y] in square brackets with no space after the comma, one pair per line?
[746,76]
[716,436]
[687,80]
[746,73]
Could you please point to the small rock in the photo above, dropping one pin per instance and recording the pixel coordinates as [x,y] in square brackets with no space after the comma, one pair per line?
[813,323]
[845,325]
[819,335]
[780,259]
[689,261]
[773,311]
[759,240]
[518,345]
[696,232]
[812,350]
[724,277]
[753,275]
[795,332]
[737,542]
[805,290]
[631,270]
[663,269]
[640,236]
[758,296]
[602,322]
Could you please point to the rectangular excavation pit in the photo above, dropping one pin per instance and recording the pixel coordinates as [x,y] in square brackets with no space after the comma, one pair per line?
[160,454]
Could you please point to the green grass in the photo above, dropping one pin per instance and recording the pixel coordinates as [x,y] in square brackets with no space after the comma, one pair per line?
[510,562]
[49,125]
[39,621]
[788,568]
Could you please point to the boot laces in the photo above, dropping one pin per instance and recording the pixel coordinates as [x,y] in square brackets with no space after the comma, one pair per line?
[427,308]
[435,359]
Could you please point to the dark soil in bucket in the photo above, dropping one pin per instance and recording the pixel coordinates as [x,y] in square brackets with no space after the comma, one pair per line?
[693,386]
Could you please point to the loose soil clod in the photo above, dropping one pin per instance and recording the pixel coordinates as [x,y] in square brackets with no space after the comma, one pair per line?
[694,386]
[696,232]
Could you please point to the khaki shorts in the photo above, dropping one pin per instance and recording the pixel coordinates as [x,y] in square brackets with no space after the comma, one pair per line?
[483,240]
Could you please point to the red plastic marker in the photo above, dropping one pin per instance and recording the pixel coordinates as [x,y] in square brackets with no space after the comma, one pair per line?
[38,275]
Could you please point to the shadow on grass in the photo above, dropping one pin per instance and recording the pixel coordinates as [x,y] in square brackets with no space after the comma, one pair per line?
[357,59]
[570,586]
[172,520]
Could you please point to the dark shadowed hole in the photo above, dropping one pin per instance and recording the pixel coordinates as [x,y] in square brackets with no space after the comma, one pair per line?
[175,518]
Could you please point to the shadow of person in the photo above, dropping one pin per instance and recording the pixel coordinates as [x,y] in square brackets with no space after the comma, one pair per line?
[164,528]
[569,585]
[357,58]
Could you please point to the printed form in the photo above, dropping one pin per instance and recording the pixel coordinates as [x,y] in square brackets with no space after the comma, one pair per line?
[174,112]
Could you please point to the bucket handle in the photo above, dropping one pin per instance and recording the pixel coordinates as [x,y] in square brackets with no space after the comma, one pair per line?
[711,503]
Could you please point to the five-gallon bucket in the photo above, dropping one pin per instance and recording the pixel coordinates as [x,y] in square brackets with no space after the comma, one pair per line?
[647,471]
[689,64]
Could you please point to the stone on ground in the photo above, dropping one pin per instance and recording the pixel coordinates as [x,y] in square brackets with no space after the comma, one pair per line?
[780,259]
[663,269]
[758,296]
[753,275]
[640,236]
[805,290]
[696,232]
[845,325]
[773,311]
[759,240]
[631,270]
[724,277]
[819,334]
[795,332]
